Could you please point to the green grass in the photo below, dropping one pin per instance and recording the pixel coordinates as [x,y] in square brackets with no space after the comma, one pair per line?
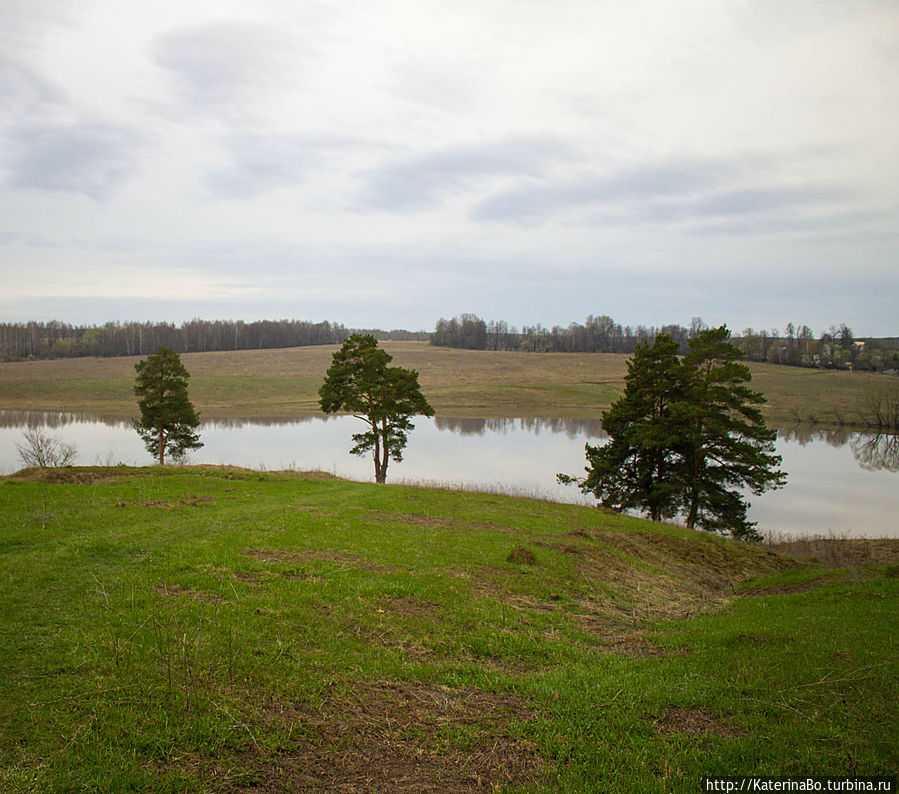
[460,383]
[209,629]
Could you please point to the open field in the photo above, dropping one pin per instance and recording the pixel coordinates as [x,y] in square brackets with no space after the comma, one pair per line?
[215,629]
[285,382]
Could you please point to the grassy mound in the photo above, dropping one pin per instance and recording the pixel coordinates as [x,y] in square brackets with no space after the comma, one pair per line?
[217,629]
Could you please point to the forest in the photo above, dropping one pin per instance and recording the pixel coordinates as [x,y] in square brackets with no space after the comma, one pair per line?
[53,339]
[796,345]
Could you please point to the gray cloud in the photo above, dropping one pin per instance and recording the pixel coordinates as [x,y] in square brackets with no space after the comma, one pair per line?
[425,181]
[260,163]
[221,63]
[806,209]
[93,159]
[707,195]
[23,89]
[749,201]
[676,178]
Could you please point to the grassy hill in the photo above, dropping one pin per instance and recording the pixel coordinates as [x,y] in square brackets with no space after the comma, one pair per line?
[215,629]
[463,383]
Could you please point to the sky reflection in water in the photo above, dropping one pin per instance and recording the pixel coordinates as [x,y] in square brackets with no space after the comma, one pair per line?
[838,482]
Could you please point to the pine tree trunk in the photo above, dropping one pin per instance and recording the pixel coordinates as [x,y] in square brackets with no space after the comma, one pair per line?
[693,513]
[381,465]
[161,447]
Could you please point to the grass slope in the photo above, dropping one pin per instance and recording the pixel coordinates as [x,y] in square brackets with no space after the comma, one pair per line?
[463,383]
[214,629]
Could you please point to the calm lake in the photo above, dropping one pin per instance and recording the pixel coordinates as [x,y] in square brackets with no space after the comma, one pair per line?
[839,482]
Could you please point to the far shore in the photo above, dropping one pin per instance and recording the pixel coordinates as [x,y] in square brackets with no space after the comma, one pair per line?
[283,383]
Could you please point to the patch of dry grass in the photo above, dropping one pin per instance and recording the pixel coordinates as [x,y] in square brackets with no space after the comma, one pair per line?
[387,736]
[462,383]
[836,551]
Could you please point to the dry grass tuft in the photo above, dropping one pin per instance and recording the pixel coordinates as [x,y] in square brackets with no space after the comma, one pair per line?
[347,560]
[522,555]
[176,590]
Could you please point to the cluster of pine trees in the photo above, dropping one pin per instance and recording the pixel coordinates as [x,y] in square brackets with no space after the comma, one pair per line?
[685,437]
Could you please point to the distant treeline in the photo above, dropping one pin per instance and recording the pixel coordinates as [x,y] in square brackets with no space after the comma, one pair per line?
[61,340]
[836,348]
[597,335]
[796,345]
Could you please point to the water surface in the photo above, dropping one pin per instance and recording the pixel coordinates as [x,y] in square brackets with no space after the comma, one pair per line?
[839,482]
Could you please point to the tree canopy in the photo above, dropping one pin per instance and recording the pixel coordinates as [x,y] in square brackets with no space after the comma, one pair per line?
[167,417]
[685,437]
[359,381]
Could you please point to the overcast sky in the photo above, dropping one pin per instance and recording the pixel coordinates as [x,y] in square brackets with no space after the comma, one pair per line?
[383,163]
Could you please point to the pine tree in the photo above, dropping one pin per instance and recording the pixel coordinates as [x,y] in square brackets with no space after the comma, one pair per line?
[167,417]
[360,382]
[725,442]
[635,470]
[684,437]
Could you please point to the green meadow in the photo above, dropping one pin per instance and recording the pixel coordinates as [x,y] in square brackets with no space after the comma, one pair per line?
[222,630]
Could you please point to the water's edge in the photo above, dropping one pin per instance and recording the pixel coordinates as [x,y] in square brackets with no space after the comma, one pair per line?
[839,481]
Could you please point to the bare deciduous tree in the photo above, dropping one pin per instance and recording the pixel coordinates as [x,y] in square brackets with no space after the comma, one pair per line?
[881,406]
[44,451]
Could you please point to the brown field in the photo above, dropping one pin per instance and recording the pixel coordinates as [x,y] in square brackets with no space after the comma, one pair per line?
[462,383]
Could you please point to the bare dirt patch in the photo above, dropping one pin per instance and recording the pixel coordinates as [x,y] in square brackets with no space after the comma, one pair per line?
[420,520]
[694,722]
[247,577]
[401,737]
[190,500]
[410,606]
[329,556]
[175,590]
[761,639]
[412,519]
[787,588]
[638,646]
[195,500]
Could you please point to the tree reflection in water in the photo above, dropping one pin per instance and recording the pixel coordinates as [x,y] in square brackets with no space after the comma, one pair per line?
[879,452]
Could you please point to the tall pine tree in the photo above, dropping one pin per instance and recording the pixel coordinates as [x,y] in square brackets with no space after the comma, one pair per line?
[385,398]
[725,442]
[167,417]
[636,469]
[685,437]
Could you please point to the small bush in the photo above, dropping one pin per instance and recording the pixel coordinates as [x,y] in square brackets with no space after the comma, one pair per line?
[44,451]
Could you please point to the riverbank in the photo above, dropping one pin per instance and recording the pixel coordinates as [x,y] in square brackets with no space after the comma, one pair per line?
[213,629]
[459,383]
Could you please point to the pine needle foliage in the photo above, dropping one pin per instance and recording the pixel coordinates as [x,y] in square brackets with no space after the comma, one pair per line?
[167,417]
[359,381]
[685,437]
